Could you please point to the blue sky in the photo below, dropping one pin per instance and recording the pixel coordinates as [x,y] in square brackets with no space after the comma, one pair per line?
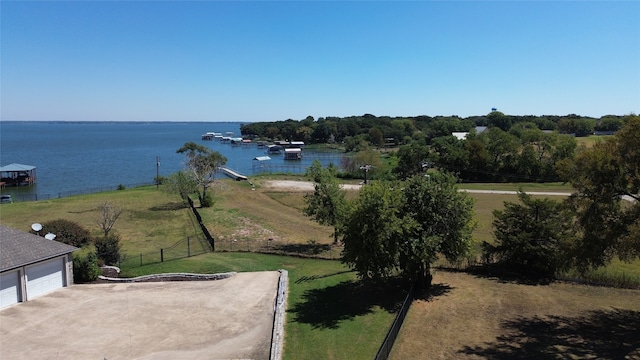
[268,61]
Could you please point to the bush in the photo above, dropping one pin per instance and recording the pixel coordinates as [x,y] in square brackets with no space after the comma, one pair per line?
[159,180]
[206,201]
[121,187]
[68,232]
[85,266]
[108,249]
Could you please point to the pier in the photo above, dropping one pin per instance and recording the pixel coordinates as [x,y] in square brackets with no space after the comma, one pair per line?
[232,174]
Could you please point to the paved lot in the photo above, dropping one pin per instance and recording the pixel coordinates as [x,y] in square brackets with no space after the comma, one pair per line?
[221,319]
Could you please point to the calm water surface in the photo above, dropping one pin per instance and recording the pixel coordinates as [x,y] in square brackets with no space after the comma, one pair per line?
[76,157]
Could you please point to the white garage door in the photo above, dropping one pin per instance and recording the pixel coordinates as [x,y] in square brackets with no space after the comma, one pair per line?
[9,288]
[44,277]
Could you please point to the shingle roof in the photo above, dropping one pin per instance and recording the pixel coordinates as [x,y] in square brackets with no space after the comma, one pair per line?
[19,248]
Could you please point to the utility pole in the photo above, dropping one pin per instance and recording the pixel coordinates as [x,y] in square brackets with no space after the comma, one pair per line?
[366,170]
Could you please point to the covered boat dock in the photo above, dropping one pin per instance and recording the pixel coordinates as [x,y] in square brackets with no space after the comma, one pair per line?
[17,175]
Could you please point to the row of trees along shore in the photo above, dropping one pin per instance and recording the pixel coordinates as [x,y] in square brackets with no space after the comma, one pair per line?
[402,226]
[496,148]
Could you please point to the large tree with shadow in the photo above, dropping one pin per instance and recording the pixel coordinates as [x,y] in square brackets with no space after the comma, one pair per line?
[401,228]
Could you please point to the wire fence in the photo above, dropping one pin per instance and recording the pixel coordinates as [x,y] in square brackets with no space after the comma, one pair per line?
[389,340]
[18,196]
[190,246]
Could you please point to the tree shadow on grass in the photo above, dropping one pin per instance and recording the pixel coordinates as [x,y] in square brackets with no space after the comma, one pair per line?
[327,307]
[503,276]
[305,249]
[169,206]
[316,277]
[600,334]
[431,292]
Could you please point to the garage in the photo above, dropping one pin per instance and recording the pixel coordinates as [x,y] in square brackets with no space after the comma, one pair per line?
[44,277]
[9,288]
[31,266]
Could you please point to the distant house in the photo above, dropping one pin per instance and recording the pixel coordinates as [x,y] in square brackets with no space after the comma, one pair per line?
[31,266]
[461,135]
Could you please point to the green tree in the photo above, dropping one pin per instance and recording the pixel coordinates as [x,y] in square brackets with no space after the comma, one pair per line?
[327,204]
[180,183]
[499,120]
[68,232]
[376,137]
[371,232]
[532,238]
[202,164]
[411,159]
[402,227]
[441,219]
[604,176]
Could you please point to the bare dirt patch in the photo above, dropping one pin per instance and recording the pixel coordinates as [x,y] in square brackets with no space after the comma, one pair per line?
[291,185]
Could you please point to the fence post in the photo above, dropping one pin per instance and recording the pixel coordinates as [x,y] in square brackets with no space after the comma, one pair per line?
[188,247]
[161,255]
[140,259]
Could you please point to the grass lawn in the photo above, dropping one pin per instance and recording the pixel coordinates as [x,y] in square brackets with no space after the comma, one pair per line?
[588,141]
[151,219]
[469,317]
[330,315]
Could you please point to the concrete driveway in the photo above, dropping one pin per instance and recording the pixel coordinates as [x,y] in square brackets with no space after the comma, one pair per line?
[221,319]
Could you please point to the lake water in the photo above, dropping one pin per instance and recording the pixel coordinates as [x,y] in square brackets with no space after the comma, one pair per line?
[81,157]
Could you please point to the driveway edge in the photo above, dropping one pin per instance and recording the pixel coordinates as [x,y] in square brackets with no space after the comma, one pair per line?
[277,337]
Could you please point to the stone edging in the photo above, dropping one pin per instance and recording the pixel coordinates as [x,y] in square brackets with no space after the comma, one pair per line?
[277,337]
[168,277]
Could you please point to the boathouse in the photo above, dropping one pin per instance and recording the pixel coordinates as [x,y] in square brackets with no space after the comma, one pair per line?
[293,154]
[17,174]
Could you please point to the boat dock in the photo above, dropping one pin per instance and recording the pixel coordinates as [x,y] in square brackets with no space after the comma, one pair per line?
[232,174]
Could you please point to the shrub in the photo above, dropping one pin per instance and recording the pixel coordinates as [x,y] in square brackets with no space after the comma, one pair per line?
[121,187]
[108,249]
[85,266]
[67,232]
[206,201]
[159,180]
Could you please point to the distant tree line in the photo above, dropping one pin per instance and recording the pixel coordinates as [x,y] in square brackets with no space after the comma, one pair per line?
[498,147]
[381,130]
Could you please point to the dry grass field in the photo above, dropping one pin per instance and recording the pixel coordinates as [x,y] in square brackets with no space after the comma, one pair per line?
[470,317]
